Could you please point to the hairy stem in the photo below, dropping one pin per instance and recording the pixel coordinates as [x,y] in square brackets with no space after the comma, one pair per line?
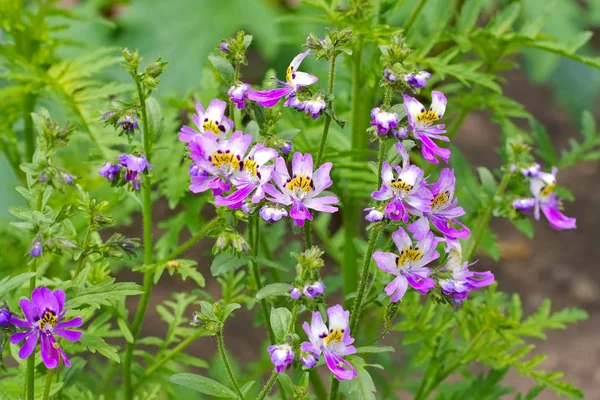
[362,283]
[307,234]
[317,384]
[230,375]
[484,219]
[83,247]
[267,388]
[188,243]
[414,15]
[29,132]
[48,384]
[328,116]
[148,275]
[380,158]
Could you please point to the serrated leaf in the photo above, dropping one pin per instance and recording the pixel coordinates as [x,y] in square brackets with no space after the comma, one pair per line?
[95,344]
[125,330]
[226,262]
[7,283]
[104,293]
[273,289]
[204,385]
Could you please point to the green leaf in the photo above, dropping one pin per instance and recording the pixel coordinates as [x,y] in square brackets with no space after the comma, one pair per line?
[203,385]
[7,283]
[223,67]
[246,388]
[374,349]
[363,387]
[95,344]
[226,262]
[273,289]
[545,148]
[504,20]
[104,293]
[469,13]
[487,180]
[280,320]
[155,117]
[125,330]
[229,308]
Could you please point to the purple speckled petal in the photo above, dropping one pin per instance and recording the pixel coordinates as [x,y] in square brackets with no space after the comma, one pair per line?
[340,367]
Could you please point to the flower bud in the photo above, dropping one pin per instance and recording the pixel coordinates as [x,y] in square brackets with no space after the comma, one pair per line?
[281,356]
[36,248]
[314,290]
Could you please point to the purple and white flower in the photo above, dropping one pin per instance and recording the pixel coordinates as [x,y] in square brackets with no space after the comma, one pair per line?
[129,123]
[272,212]
[314,290]
[409,266]
[217,161]
[384,120]
[421,120]
[404,187]
[333,341]
[295,293]
[374,214]
[301,190]
[238,94]
[444,210]
[251,177]
[313,107]
[110,171]
[542,185]
[388,75]
[212,120]
[463,280]
[294,80]
[417,80]
[42,321]
[281,355]
[134,165]
[224,47]
[37,247]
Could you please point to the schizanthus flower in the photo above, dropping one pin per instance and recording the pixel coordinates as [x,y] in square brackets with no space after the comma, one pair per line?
[42,319]
[134,165]
[333,341]
[224,47]
[273,212]
[238,94]
[314,290]
[417,80]
[409,266]
[444,210]
[36,248]
[213,121]
[129,123]
[463,280]
[281,356]
[389,76]
[5,317]
[294,80]
[421,120]
[301,190]
[542,185]
[384,120]
[110,171]
[313,106]
[295,293]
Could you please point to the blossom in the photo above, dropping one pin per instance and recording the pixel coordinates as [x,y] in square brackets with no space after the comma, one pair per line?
[302,189]
[333,341]
[238,94]
[420,121]
[224,47]
[406,192]
[5,317]
[410,266]
[217,161]
[389,76]
[212,120]
[462,280]
[110,171]
[542,185]
[314,290]
[134,165]
[417,80]
[313,106]
[36,248]
[42,319]
[295,293]
[251,177]
[281,356]
[294,80]
[286,148]
[444,210]
[374,214]
[129,123]
[384,120]
[272,212]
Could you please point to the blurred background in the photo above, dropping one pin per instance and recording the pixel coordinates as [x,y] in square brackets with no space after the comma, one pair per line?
[560,265]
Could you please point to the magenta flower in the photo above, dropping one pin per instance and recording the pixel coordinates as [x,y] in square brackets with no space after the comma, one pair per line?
[417,80]
[463,280]
[295,293]
[443,212]
[110,171]
[217,161]
[251,177]
[420,121]
[406,191]
[5,317]
[281,356]
[134,165]
[314,290]
[42,316]
[410,266]
[294,80]
[238,94]
[302,189]
[384,120]
[313,107]
[333,341]
[542,185]
[213,120]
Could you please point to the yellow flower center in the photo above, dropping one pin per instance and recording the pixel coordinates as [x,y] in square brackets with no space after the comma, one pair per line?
[401,185]
[440,200]
[289,74]
[336,336]
[49,318]
[300,182]
[548,190]
[428,117]
[409,255]
[211,126]
[223,159]
[250,166]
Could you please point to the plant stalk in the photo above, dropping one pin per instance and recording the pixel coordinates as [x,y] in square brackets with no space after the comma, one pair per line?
[84,247]
[414,15]
[230,375]
[48,385]
[327,116]
[29,132]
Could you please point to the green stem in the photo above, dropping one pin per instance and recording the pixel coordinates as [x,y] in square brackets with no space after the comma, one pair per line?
[232,107]
[232,379]
[484,219]
[172,353]
[48,384]
[328,116]
[380,158]
[83,247]
[265,391]
[335,386]
[307,234]
[317,384]
[28,108]
[188,243]
[414,15]
[148,275]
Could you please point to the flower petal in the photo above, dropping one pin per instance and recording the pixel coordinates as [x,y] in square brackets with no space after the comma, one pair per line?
[386,262]
[29,345]
[31,312]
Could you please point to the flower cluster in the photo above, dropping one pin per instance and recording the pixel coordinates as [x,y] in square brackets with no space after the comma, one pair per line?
[131,164]
[311,291]
[542,185]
